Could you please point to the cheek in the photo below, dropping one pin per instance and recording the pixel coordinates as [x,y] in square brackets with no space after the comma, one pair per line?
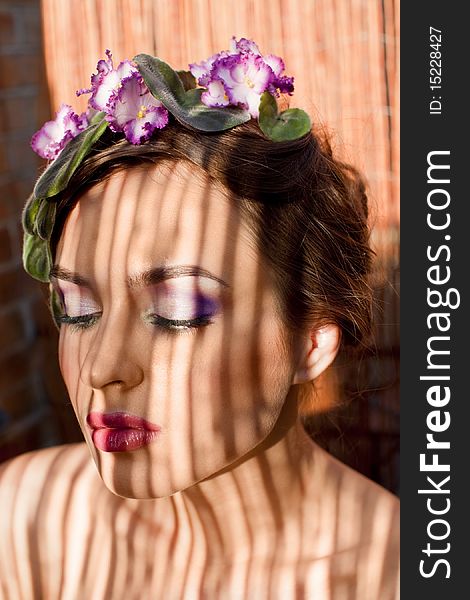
[218,398]
[69,363]
[238,381]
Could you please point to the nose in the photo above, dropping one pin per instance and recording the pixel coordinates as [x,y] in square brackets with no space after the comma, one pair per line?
[114,356]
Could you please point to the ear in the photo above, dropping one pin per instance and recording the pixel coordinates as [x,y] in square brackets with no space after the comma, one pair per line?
[316,352]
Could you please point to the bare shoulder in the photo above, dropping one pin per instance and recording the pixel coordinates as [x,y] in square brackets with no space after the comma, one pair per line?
[44,454]
[31,479]
[366,542]
[356,496]
[37,491]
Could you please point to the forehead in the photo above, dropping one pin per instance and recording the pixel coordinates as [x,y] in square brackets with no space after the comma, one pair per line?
[143,217]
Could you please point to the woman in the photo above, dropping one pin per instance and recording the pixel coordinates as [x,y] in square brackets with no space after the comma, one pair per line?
[200,280]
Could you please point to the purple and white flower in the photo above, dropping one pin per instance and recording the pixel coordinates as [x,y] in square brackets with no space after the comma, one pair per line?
[239,76]
[243,45]
[133,110]
[215,94]
[245,77]
[106,81]
[281,83]
[54,135]
[202,71]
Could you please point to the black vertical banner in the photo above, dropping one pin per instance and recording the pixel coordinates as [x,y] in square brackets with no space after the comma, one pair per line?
[435,259]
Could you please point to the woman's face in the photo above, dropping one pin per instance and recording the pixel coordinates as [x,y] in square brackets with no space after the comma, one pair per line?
[171,318]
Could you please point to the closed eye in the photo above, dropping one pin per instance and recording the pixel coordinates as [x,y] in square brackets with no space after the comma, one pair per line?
[179,325]
[79,322]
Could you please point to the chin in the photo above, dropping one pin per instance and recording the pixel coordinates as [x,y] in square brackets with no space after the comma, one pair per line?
[143,476]
[145,482]
[129,488]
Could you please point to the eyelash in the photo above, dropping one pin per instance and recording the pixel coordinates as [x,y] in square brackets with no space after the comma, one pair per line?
[168,325]
[179,325]
[77,323]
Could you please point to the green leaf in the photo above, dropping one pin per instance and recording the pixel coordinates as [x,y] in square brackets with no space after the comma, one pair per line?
[185,106]
[55,307]
[268,108]
[193,98]
[45,219]
[161,76]
[37,259]
[56,177]
[97,116]
[30,213]
[289,125]
[187,79]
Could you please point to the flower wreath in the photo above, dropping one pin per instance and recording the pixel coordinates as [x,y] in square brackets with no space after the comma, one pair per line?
[136,99]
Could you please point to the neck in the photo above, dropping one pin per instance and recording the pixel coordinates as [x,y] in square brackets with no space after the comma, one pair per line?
[249,509]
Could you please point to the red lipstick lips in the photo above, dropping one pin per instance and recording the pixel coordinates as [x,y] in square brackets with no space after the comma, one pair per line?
[120,431]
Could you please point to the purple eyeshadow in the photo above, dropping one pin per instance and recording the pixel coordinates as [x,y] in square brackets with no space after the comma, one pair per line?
[205,307]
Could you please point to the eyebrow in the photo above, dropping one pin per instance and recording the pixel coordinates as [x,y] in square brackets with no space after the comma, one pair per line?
[146,278]
[60,273]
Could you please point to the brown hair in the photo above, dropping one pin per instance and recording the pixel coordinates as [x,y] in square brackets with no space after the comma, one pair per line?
[309,210]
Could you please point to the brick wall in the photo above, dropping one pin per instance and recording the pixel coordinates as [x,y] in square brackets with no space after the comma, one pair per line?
[33,403]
